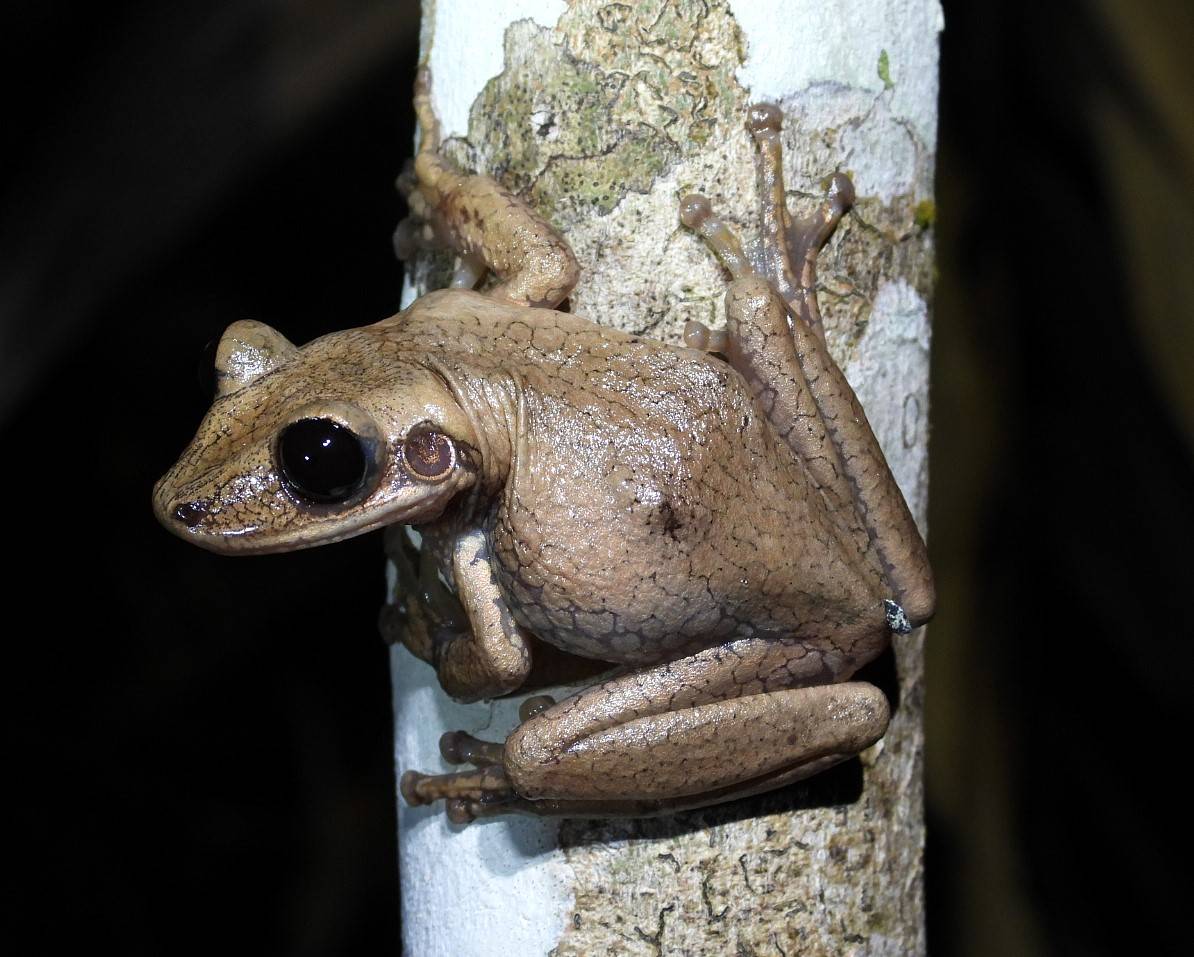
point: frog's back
(650, 506)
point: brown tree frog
(716, 519)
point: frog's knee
(915, 607)
(863, 713)
(750, 293)
(751, 301)
(529, 759)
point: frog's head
(313, 445)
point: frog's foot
(469, 794)
(486, 226)
(484, 792)
(787, 255)
(425, 229)
(790, 247)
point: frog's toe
(536, 704)
(467, 795)
(699, 336)
(695, 209)
(484, 785)
(412, 235)
(697, 214)
(459, 811)
(460, 747)
(764, 116)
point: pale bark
(603, 114)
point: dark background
(200, 748)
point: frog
(711, 523)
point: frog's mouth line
(198, 523)
(258, 541)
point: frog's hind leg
(790, 250)
(758, 341)
(483, 223)
(720, 724)
(775, 338)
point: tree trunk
(603, 115)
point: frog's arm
(495, 658)
(485, 224)
(471, 638)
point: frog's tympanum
(716, 520)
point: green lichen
(599, 182)
(615, 95)
(925, 214)
(885, 71)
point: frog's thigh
(601, 746)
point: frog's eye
(322, 461)
(429, 455)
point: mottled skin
(722, 525)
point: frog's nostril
(192, 513)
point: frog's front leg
(470, 637)
(723, 723)
(483, 223)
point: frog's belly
(633, 633)
(653, 617)
(638, 587)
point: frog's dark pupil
(321, 460)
